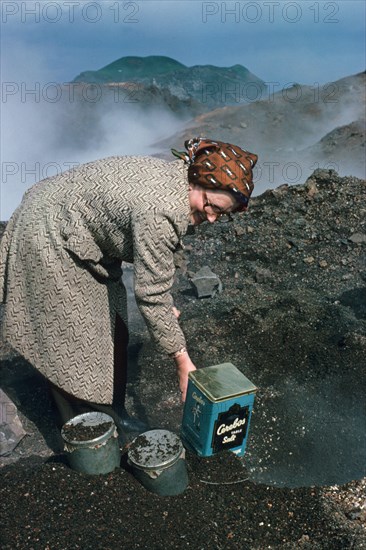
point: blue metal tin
(217, 410)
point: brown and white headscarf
(218, 165)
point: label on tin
(230, 428)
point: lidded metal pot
(98, 455)
(157, 458)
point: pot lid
(155, 450)
(222, 381)
(88, 420)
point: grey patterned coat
(60, 270)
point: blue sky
(302, 41)
(52, 41)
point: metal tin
(100, 455)
(157, 458)
(217, 410)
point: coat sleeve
(155, 239)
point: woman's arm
(184, 367)
(155, 240)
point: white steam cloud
(46, 129)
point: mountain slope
(287, 128)
(208, 85)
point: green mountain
(132, 68)
(207, 85)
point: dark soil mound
(51, 506)
(291, 317)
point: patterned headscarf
(218, 165)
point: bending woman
(61, 254)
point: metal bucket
(99, 455)
(158, 461)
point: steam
(43, 139)
(289, 132)
(314, 434)
(49, 127)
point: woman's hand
(184, 367)
(176, 312)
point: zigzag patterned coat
(60, 271)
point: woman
(61, 254)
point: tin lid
(87, 420)
(222, 381)
(155, 450)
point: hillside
(292, 126)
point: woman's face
(209, 204)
